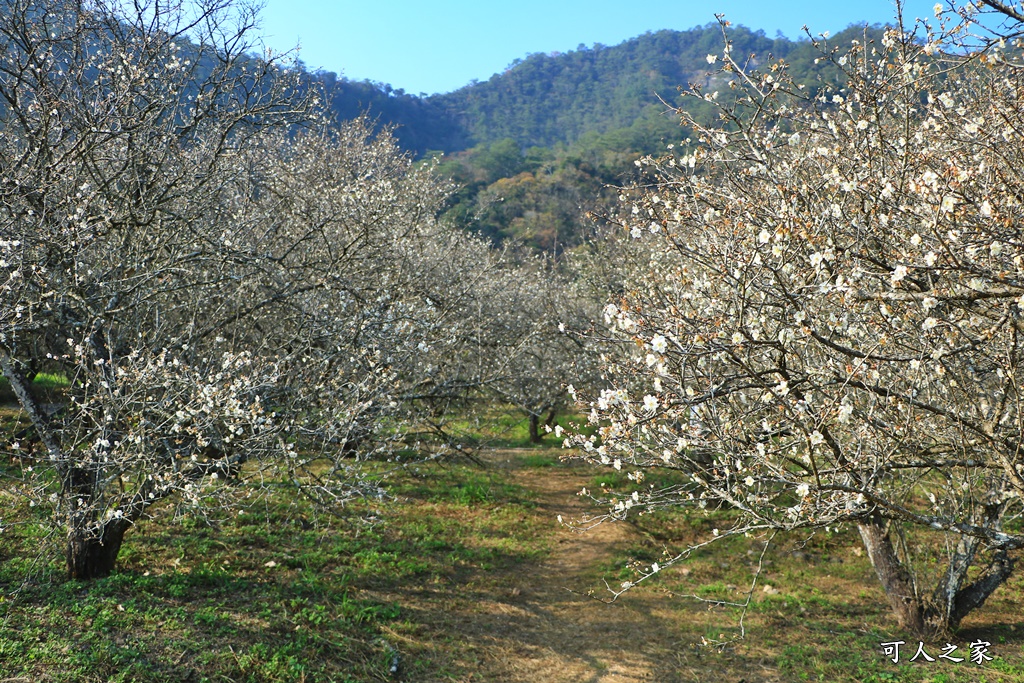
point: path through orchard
(536, 622)
(467, 576)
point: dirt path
(564, 634)
(536, 622)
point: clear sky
(439, 45)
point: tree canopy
(827, 327)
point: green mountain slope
(550, 99)
(558, 99)
(534, 149)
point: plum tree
(828, 327)
(233, 287)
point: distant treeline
(533, 146)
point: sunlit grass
(279, 592)
(275, 593)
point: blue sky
(439, 45)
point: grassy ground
(464, 576)
(818, 613)
(504, 426)
(46, 386)
(264, 596)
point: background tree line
(531, 148)
(556, 100)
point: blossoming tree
(232, 287)
(829, 322)
(118, 129)
(541, 315)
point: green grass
(219, 616)
(619, 480)
(824, 615)
(46, 386)
(265, 596)
(279, 594)
(50, 380)
(539, 460)
(42, 380)
(503, 426)
(459, 485)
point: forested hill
(534, 149)
(551, 99)
(421, 124)
(546, 99)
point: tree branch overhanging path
(236, 289)
(830, 315)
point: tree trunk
(937, 615)
(912, 612)
(91, 553)
(535, 436)
(973, 596)
(92, 547)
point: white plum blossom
(247, 293)
(843, 311)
